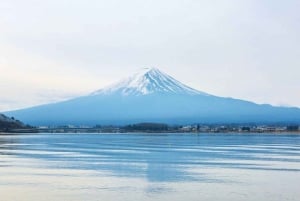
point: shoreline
(15, 132)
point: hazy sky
(56, 49)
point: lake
(142, 167)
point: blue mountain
(153, 96)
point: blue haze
(166, 108)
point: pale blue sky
(51, 50)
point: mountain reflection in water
(160, 160)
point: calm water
(92, 167)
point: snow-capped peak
(148, 81)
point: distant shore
(161, 128)
(93, 131)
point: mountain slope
(153, 96)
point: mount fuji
(153, 96)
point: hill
(7, 124)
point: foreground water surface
(92, 167)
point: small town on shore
(164, 128)
(11, 125)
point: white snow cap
(148, 81)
